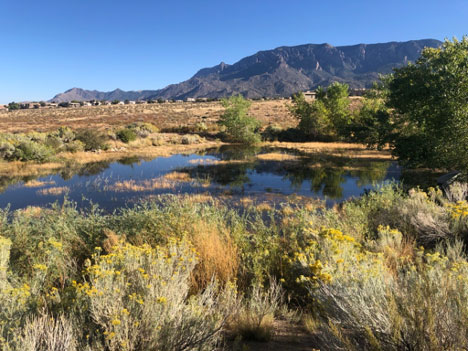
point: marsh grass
(54, 191)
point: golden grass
(177, 176)
(167, 181)
(211, 162)
(31, 211)
(217, 254)
(59, 190)
(264, 206)
(337, 149)
(38, 183)
(143, 152)
(168, 115)
(277, 156)
(27, 169)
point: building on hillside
(310, 95)
(357, 92)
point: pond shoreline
(24, 169)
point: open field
(167, 115)
(164, 116)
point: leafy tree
(430, 100)
(13, 106)
(326, 118)
(240, 127)
(313, 117)
(336, 101)
(115, 102)
(372, 124)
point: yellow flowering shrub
(139, 298)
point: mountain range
(279, 72)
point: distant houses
(310, 95)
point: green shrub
(92, 139)
(126, 135)
(31, 151)
(240, 127)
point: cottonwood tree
(430, 102)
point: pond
(227, 171)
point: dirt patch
(287, 337)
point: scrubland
(387, 271)
(166, 116)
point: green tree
(328, 117)
(336, 101)
(372, 123)
(115, 102)
(240, 127)
(430, 100)
(13, 106)
(313, 117)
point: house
(121, 103)
(86, 103)
(3, 107)
(131, 102)
(106, 103)
(357, 92)
(141, 102)
(190, 100)
(310, 95)
(74, 104)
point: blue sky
(49, 46)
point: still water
(227, 171)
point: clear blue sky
(49, 46)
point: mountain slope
(281, 72)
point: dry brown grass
(337, 149)
(177, 176)
(24, 169)
(38, 183)
(217, 253)
(277, 156)
(167, 181)
(164, 116)
(55, 191)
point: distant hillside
(280, 72)
(86, 95)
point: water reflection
(242, 171)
